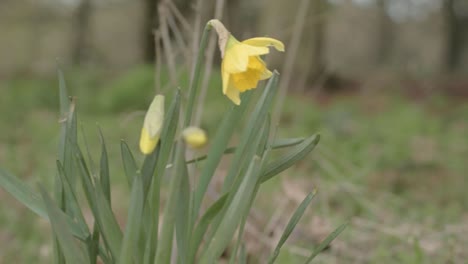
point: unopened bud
(195, 137)
(152, 125)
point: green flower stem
(164, 249)
(194, 83)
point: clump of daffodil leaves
(152, 230)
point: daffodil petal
(265, 42)
(266, 74)
(147, 143)
(224, 77)
(236, 58)
(233, 94)
(249, 79)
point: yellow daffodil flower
(242, 67)
(195, 137)
(152, 125)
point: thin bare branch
(208, 66)
(293, 47)
(167, 45)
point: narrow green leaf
(108, 225)
(260, 150)
(264, 138)
(64, 104)
(91, 164)
(249, 135)
(148, 168)
(291, 225)
(164, 249)
(285, 142)
(63, 94)
(93, 245)
(73, 204)
(72, 249)
(290, 158)
(240, 233)
(59, 257)
(241, 173)
(129, 251)
(22, 192)
(166, 144)
(277, 144)
(129, 163)
(203, 224)
(236, 210)
(326, 242)
(104, 169)
(25, 195)
(242, 255)
(182, 217)
(195, 77)
(101, 209)
(67, 143)
(215, 153)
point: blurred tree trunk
(317, 33)
(81, 28)
(384, 41)
(453, 40)
(150, 23)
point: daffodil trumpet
(242, 67)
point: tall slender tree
(456, 23)
(150, 23)
(82, 31)
(384, 36)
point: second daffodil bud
(195, 137)
(152, 125)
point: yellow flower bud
(242, 67)
(152, 125)
(195, 137)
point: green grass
(394, 167)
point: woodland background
(385, 83)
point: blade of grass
(23, 193)
(326, 242)
(290, 158)
(129, 251)
(234, 213)
(73, 204)
(164, 249)
(278, 144)
(72, 250)
(264, 138)
(215, 153)
(195, 77)
(168, 132)
(203, 224)
(260, 151)
(100, 208)
(59, 257)
(241, 173)
(104, 169)
(148, 168)
(249, 134)
(291, 225)
(183, 217)
(130, 166)
(242, 255)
